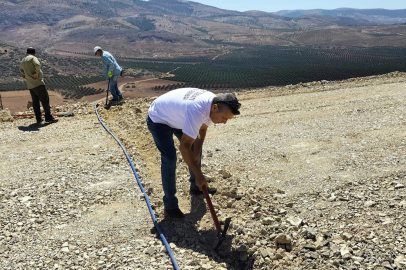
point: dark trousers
(163, 137)
(40, 94)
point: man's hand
(109, 74)
(201, 181)
(35, 76)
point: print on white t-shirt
(193, 93)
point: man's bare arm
(186, 150)
(198, 144)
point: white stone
(345, 251)
(370, 203)
(399, 186)
(25, 199)
(294, 221)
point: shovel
(107, 106)
(221, 233)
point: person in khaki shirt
(30, 69)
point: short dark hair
(31, 50)
(227, 102)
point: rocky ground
(312, 175)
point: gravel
(313, 176)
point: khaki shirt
(29, 66)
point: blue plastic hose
(175, 264)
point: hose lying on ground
(175, 265)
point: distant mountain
(174, 28)
(375, 16)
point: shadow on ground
(33, 127)
(185, 234)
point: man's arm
(198, 144)
(187, 154)
(108, 61)
(22, 71)
(37, 66)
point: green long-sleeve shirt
(29, 66)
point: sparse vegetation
(247, 67)
(66, 75)
(69, 87)
(142, 23)
(262, 66)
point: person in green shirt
(30, 69)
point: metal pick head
(226, 225)
(223, 234)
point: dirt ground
(313, 176)
(16, 101)
(142, 88)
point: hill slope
(374, 16)
(320, 166)
(160, 28)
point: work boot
(196, 191)
(113, 102)
(51, 120)
(174, 213)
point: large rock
(283, 239)
(5, 116)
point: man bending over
(186, 113)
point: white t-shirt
(185, 108)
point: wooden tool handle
(213, 213)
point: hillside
(373, 16)
(312, 175)
(174, 28)
(238, 68)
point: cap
(30, 50)
(96, 49)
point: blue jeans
(163, 137)
(115, 92)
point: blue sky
(272, 6)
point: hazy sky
(272, 6)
